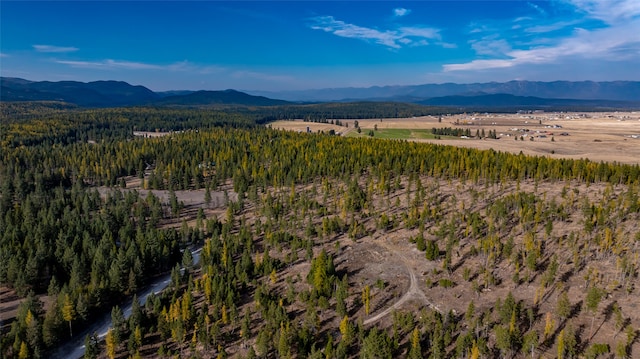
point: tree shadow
(575, 309)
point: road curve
(414, 291)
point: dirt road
(414, 291)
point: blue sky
(294, 45)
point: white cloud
(424, 32)
(615, 40)
(537, 8)
(52, 48)
(491, 46)
(609, 11)
(111, 64)
(399, 12)
(408, 35)
(612, 44)
(3, 55)
(552, 27)
(479, 65)
(182, 66)
(342, 29)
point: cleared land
(608, 137)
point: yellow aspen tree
(207, 286)
(561, 345)
(366, 299)
(344, 327)
(137, 336)
(512, 322)
(549, 325)
(225, 253)
(186, 306)
(111, 344)
(24, 351)
(224, 317)
(416, 350)
(68, 311)
(475, 351)
(28, 319)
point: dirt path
(414, 291)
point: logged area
(306, 244)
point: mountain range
(118, 93)
(580, 90)
(526, 94)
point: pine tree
(594, 295)
(563, 306)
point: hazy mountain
(524, 102)
(583, 90)
(227, 97)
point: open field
(608, 137)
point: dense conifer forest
(506, 255)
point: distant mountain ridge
(526, 102)
(528, 94)
(86, 94)
(118, 93)
(227, 97)
(581, 90)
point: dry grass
(596, 136)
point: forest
(505, 255)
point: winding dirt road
(414, 291)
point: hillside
(118, 93)
(226, 97)
(90, 94)
(285, 244)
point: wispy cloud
(400, 12)
(491, 46)
(537, 8)
(609, 11)
(111, 64)
(614, 44)
(342, 29)
(3, 55)
(552, 27)
(52, 48)
(408, 35)
(614, 38)
(417, 31)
